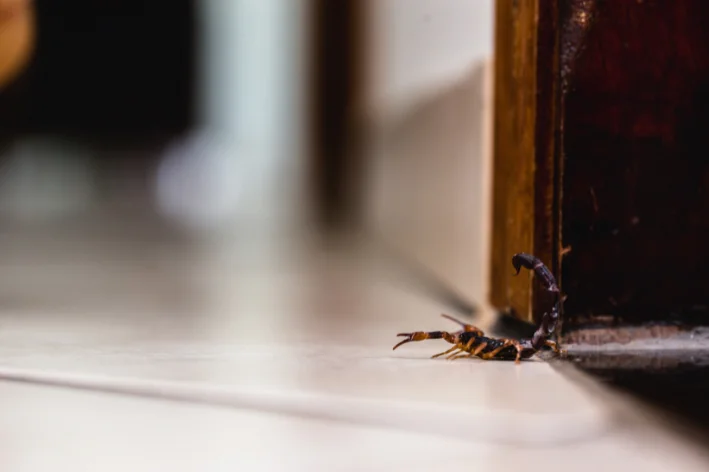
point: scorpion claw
(408, 339)
(422, 335)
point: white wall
(419, 46)
(430, 94)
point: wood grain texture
(513, 141)
(525, 195)
(635, 201)
(548, 169)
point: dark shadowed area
(635, 169)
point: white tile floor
(271, 357)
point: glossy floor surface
(125, 346)
(269, 353)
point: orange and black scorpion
(471, 341)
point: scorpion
(471, 341)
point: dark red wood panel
(636, 166)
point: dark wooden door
(610, 187)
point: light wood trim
(515, 89)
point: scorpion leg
(506, 343)
(461, 355)
(454, 354)
(465, 349)
(479, 349)
(454, 348)
(465, 326)
(474, 353)
(555, 347)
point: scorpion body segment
(498, 348)
(472, 342)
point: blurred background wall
(430, 91)
(417, 48)
(200, 117)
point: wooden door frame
(527, 167)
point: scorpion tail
(546, 327)
(551, 318)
